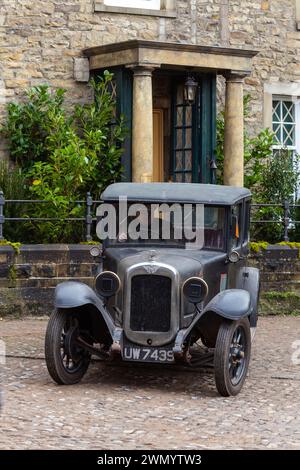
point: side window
(236, 225)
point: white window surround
(160, 8)
(282, 90)
(288, 91)
(287, 117)
(151, 4)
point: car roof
(176, 192)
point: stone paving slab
(126, 407)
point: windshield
(174, 226)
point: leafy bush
(280, 176)
(28, 124)
(14, 186)
(64, 156)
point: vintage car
(163, 299)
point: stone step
(45, 254)
(49, 270)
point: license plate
(147, 354)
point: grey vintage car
(162, 299)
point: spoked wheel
(232, 356)
(66, 361)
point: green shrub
(279, 303)
(28, 124)
(280, 176)
(258, 247)
(63, 155)
(13, 183)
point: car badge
(151, 269)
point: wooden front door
(158, 145)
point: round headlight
(95, 251)
(195, 289)
(107, 284)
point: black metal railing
(285, 219)
(88, 219)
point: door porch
(171, 139)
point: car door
(236, 242)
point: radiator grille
(150, 308)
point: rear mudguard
(232, 304)
(72, 294)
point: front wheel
(232, 356)
(66, 361)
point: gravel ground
(126, 407)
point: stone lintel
(170, 55)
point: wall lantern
(190, 90)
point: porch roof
(171, 55)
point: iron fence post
(89, 217)
(286, 220)
(2, 218)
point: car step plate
(160, 355)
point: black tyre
(66, 361)
(232, 356)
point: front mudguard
(232, 304)
(71, 294)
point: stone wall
(279, 268)
(28, 279)
(40, 39)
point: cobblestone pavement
(121, 407)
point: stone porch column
(142, 125)
(234, 131)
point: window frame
(122, 4)
(295, 149)
(167, 8)
(296, 102)
(237, 211)
(281, 122)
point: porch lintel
(170, 54)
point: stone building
(161, 51)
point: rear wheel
(66, 361)
(232, 356)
